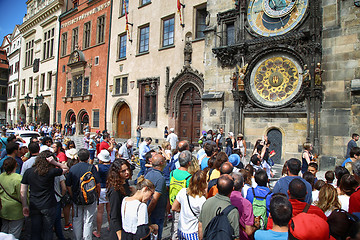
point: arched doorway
(22, 114)
(70, 117)
(83, 119)
(275, 137)
(190, 115)
(44, 114)
(124, 122)
(14, 116)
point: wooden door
(275, 137)
(124, 122)
(190, 116)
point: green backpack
(176, 186)
(259, 210)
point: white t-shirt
(27, 164)
(344, 200)
(188, 223)
(315, 196)
(130, 220)
(244, 190)
(172, 139)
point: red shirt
(298, 207)
(104, 145)
(354, 203)
(62, 157)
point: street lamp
(39, 101)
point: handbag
(190, 206)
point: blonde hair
(165, 145)
(328, 198)
(194, 166)
(143, 182)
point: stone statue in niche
(75, 57)
(187, 53)
(242, 75)
(318, 73)
(234, 81)
(306, 76)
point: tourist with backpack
(83, 184)
(218, 218)
(189, 202)
(260, 199)
(179, 179)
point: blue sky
(12, 13)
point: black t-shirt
(75, 173)
(42, 194)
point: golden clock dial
(275, 17)
(276, 80)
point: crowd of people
(212, 193)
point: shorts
(103, 198)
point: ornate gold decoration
(276, 79)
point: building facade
(272, 69)
(13, 84)
(83, 58)
(38, 64)
(156, 68)
(4, 74)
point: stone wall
(341, 62)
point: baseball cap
(307, 226)
(130, 142)
(234, 159)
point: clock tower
(271, 50)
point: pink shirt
(246, 216)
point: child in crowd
(330, 176)
(313, 168)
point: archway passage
(84, 121)
(44, 114)
(190, 116)
(22, 114)
(70, 117)
(124, 122)
(275, 137)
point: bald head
(226, 168)
(158, 161)
(225, 184)
(183, 145)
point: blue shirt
(260, 192)
(156, 177)
(204, 162)
(270, 235)
(346, 161)
(143, 149)
(282, 186)
(4, 142)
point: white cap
(104, 156)
(130, 142)
(71, 153)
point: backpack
(176, 186)
(259, 210)
(219, 227)
(87, 187)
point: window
(79, 86)
(96, 60)
(30, 84)
(78, 80)
(101, 29)
(122, 46)
(63, 44)
(144, 39)
(148, 101)
(200, 21)
(59, 116)
(11, 70)
(3, 91)
(143, 2)
(122, 10)
(68, 88)
(86, 86)
(75, 35)
(29, 53)
(48, 43)
(9, 91)
(42, 82)
(168, 32)
(23, 87)
(49, 76)
(121, 85)
(96, 116)
(230, 34)
(15, 87)
(87, 28)
(16, 66)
